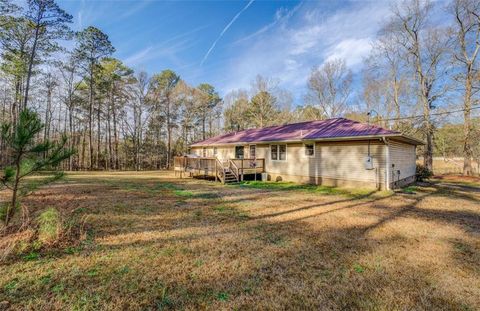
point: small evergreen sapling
(28, 156)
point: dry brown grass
(156, 242)
(443, 166)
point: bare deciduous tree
(467, 45)
(329, 88)
(425, 48)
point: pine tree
(28, 157)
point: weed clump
(49, 226)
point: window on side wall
(215, 151)
(204, 152)
(310, 150)
(278, 152)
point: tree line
(116, 118)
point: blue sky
(282, 40)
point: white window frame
(278, 152)
(215, 151)
(204, 152)
(250, 151)
(305, 150)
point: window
(215, 151)
(282, 152)
(253, 151)
(310, 150)
(274, 152)
(204, 152)
(278, 152)
(239, 152)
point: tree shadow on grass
(223, 261)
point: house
(333, 152)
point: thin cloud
(170, 47)
(138, 57)
(225, 30)
(137, 8)
(280, 16)
(290, 49)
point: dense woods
(421, 78)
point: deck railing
(214, 167)
(249, 166)
(219, 171)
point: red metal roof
(311, 130)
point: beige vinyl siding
(345, 161)
(296, 163)
(332, 160)
(403, 156)
(223, 152)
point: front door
(239, 152)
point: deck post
(241, 176)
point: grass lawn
(154, 242)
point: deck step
(230, 177)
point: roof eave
(400, 137)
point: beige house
(333, 152)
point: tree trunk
(32, 58)
(46, 133)
(90, 115)
(467, 126)
(14, 199)
(169, 134)
(84, 147)
(424, 94)
(204, 117)
(99, 137)
(115, 136)
(70, 128)
(109, 139)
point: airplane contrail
(225, 30)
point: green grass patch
(358, 268)
(11, 286)
(183, 193)
(291, 186)
(164, 302)
(50, 225)
(228, 210)
(410, 189)
(222, 296)
(31, 256)
(92, 272)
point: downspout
(387, 163)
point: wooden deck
(231, 170)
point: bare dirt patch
(157, 242)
